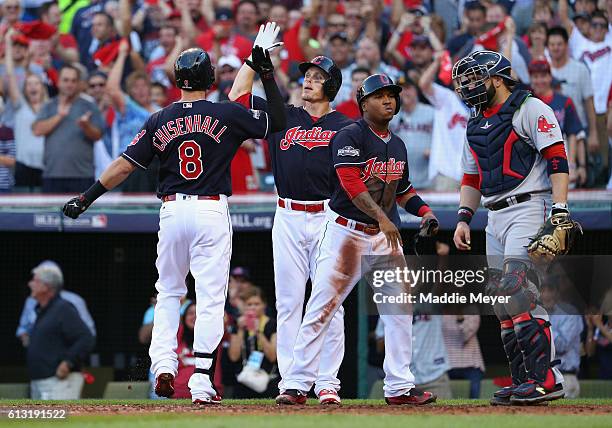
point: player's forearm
(560, 183)
(116, 173)
(469, 197)
(366, 204)
(243, 83)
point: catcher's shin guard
(513, 352)
(534, 339)
(515, 361)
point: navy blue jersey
(384, 170)
(195, 142)
(565, 112)
(300, 154)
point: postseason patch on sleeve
(348, 151)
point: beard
(490, 95)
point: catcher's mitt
(555, 237)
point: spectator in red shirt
(246, 18)
(155, 67)
(350, 107)
(102, 32)
(64, 45)
(184, 351)
(220, 40)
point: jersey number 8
(190, 160)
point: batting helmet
(193, 70)
(375, 83)
(332, 84)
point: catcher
(513, 157)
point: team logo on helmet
(543, 125)
(384, 171)
(317, 60)
(384, 79)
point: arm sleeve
(539, 124)
(140, 151)
(249, 123)
(276, 106)
(77, 337)
(350, 180)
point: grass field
(353, 414)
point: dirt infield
(259, 409)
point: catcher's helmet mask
(193, 70)
(375, 83)
(471, 73)
(333, 75)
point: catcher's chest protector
(503, 158)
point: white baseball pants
(295, 239)
(338, 269)
(194, 235)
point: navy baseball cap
(241, 271)
(223, 14)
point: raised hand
(75, 206)
(266, 37)
(261, 61)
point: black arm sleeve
(276, 105)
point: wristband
(414, 205)
(94, 192)
(557, 165)
(559, 208)
(465, 214)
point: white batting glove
(267, 35)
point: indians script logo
(309, 139)
(457, 119)
(138, 137)
(543, 125)
(386, 171)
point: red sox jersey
(195, 142)
(384, 170)
(535, 123)
(300, 154)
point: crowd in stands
(78, 78)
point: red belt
(365, 228)
(295, 206)
(200, 198)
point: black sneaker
(502, 396)
(534, 393)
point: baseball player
(513, 156)
(195, 141)
(371, 173)
(301, 166)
